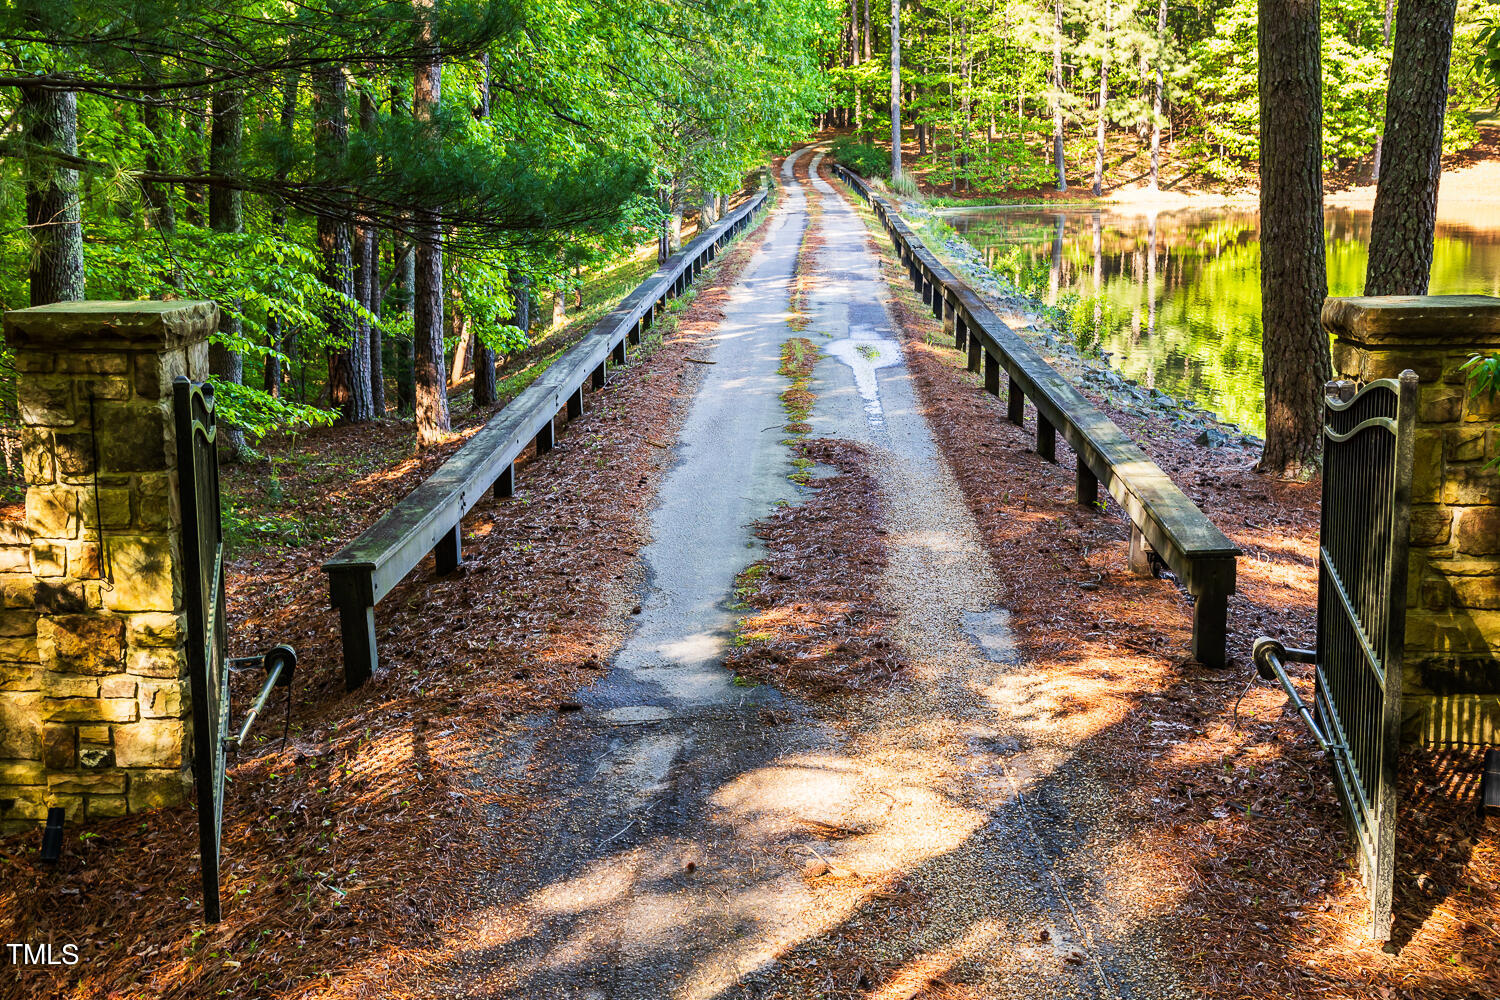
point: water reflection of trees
(1175, 296)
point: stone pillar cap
(1414, 320)
(139, 325)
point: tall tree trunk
(161, 213)
(349, 363)
(1293, 275)
(53, 212)
(1057, 102)
(1103, 103)
(895, 89)
(367, 284)
(1390, 6)
(1405, 218)
(520, 297)
(280, 342)
(195, 194)
(226, 214)
(404, 261)
(1161, 43)
(484, 361)
(431, 383)
(869, 36)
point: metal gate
(208, 660)
(1362, 562)
(208, 644)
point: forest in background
(991, 93)
(375, 191)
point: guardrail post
(960, 332)
(975, 351)
(597, 379)
(1046, 438)
(617, 353)
(449, 551)
(991, 374)
(505, 486)
(575, 404)
(938, 303)
(357, 639)
(926, 289)
(544, 438)
(1088, 485)
(1140, 553)
(1210, 629)
(1015, 403)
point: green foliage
(861, 157)
(602, 119)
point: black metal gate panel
(1367, 467)
(207, 645)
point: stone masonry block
(154, 373)
(1479, 531)
(113, 507)
(46, 401)
(133, 437)
(105, 806)
(18, 649)
(52, 512)
(1439, 404)
(82, 644)
(83, 560)
(91, 710)
(1477, 592)
(87, 783)
(119, 686)
(156, 504)
(59, 596)
(18, 592)
(157, 663)
(20, 677)
(163, 699)
(22, 772)
(150, 743)
(20, 725)
(15, 559)
(1466, 443)
(1427, 466)
(18, 624)
(94, 363)
(38, 460)
(145, 573)
(60, 747)
(70, 685)
(1471, 484)
(154, 628)
(155, 789)
(48, 559)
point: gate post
(1451, 673)
(94, 712)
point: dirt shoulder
(1226, 810)
(350, 847)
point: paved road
(673, 824)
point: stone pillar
(1452, 655)
(94, 704)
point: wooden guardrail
(1164, 523)
(428, 519)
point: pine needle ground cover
(351, 847)
(1225, 805)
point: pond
(1174, 296)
